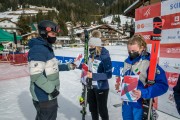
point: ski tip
(157, 26)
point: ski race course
(16, 101)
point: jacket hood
(37, 41)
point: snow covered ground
(15, 98)
(16, 104)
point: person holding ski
(44, 71)
(177, 95)
(100, 70)
(137, 63)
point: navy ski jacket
(44, 70)
(101, 69)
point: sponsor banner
(144, 25)
(166, 102)
(63, 59)
(169, 54)
(170, 36)
(171, 21)
(170, 7)
(170, 64)
(117, 65)
(170, 50)
(149, 11)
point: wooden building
(109, 36)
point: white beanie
(94, 41)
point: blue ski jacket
(101, 69)
(44, 70)
(140, 66)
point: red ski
(155, 40)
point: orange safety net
(10, 71)
(15, 59)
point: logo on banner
(173, 50)
(140, 26)
(172, 78)
(166, 64)
(175, 6)
(143, 25)
(148, 12)
(147, 37)
(176, 21)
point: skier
(44, 71)
(177, 95)
(137, 63)
(100, 70)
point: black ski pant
(97, 100)
(46, 110)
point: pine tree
(23, 24)
(39, 16)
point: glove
(55, 93)
(89, 83)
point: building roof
(8, 19)
(34, 32)
(2, 19)
(103, 26)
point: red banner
(171, 21)
(170, 50)
(149, 11)
(172, 78)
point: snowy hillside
(123, 18)
(33, 10)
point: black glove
(89, 83)
(55, 93)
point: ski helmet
(46, 26)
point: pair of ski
(155, 41)
(83, 98)
(149, 112)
